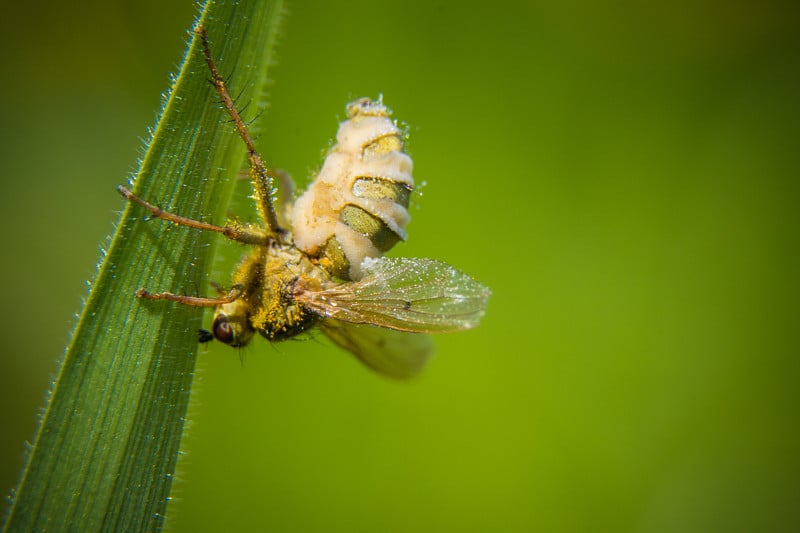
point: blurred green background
(624, 177)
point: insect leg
(195, 301)
(259, 175)
(237, 233)
(217, 287)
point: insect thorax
(268, 276)
(357, 205)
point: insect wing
(395, 354)
(414, 295)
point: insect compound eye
(223, 331)
(204, 336)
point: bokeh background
(623, 175)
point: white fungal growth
(368, 148)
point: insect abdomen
(357, 205)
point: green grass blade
(107, 445)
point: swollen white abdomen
(357, 205)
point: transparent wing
(415, 295)
(395, 354)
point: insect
(329, 271)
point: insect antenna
(204, 336)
